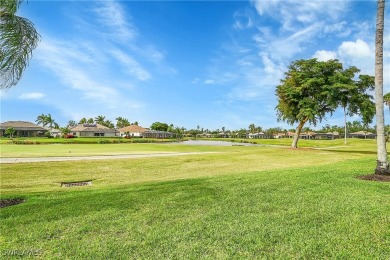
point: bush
(23, 142)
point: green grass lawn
(243, 202)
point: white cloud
(358, 49)
(32, 95)
(325, 55)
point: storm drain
(76, 183)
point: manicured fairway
(242, 202)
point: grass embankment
(248, 202)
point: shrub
(23, 142)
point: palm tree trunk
(298, 133)
(382, 161)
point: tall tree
(352, 95)
(121, 122)
(71, 124)
(47, 120)
(100, 120)
(83, 120)
(382, 160)
(108, 124)
(51, 122)
(18, 38)
(252, 128)
(41, 119)
(306, 94)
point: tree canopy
(158, 126)
(313, 89)
(352, 96)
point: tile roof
(21, 125)
(91, 128)
(133, 129)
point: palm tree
(252, 128)
(121, 122)
(108, 124)
(72, 123)
(83, 120)
(41, 120)
(100, 120)
(18, 38)
(382, 161)
(50, 121)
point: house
(91, 130)
(329, 135)
(256, 135)
(157, 134)
(223, 135)
(362, 134)
(55, 132)
(22, 128)
(290, 134)
(132, 130)
(279, 135)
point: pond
(215, 143)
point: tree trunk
(382, 162)
(345, 126)
(298, 133)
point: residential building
(93, 130)
(132, 131)
(22, 128)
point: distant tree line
(354, 126)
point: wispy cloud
(132, 67)
(32, 95)
(81, 75)
(294, 13)
(110, 15)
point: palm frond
(18, 38)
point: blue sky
(209, 63)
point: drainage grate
(76, 183)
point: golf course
(265, 201)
